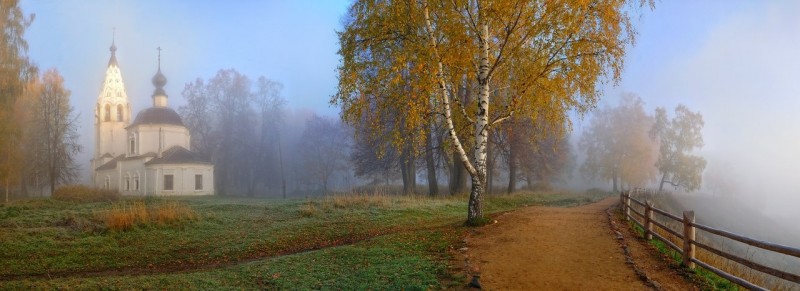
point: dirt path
(548, 248)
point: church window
(198, 182)
(168, 183)
(133, 146)
(127, 183)
(119, 112)
(108, 113)
(136, 183)
(108, 182)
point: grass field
(358, 242)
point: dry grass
(721, 263)
(309, 209)
(171, 211)
(124, 216)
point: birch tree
(547, 56)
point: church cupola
(159, 80)
(113, 49)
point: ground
(550, 248)
(347, 242)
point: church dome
(159, 80)
(158, 115)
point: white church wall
(151, 137)
(183, 179)
(131, 175)
(111, 138)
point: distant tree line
(631, 148)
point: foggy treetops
(631, 148)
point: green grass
(214, 249)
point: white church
(151, 155)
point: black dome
(159, 80)
(158, 115)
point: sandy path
(548, 248)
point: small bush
(125, 216)
(81, 193)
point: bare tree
(236, 123)
(324, 146)
(55, 128)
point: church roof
(112, 164)
(157, 115)
(178, 155)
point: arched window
(132, 145)
(108, 113)
(119, 112)
(136, 182)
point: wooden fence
(645, 210)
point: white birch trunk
(481, 126)
(478, 171)
(446, 96)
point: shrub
(81, 193)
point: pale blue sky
(735, 61)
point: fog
(735, 62)
(290, 42)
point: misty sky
(737, 62)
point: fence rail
(689, 241)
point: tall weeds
(127, 215)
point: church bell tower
(112, 114)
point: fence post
(627, 206)
(648, 219)
(688, 238)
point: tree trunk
(433, 184)
(404, 173)
(489, 168)
(280, 159)
(614, 181)
(661, 185)
(458, 176)
(475, 212)
(531, 181)
(512, 163)
(475, 208)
